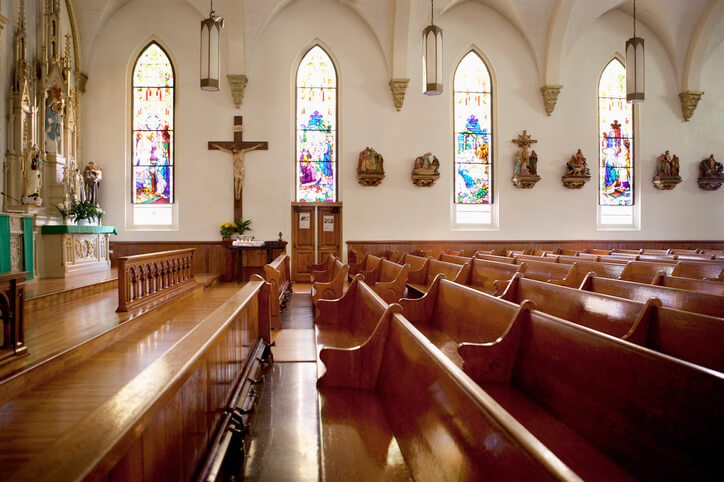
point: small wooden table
(257, 257)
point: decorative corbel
(399, 87)
(237, 82)
(550, 96)
(689, 100)
(82, 79)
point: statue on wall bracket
(370, 169)
(577, 172)
(525, 164)
(711, 174)
(667, 172)
(426, 170)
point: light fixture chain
(634, 20)
(432, 12)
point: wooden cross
(237, 149)
(524, 141)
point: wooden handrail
(146, 278)
(91, 449)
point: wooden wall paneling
(130, 467)
(196, 429)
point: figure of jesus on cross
(237, 149)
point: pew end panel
(393, 290)
(356, 367)
(420, 310)
(332, 312)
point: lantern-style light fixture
(211, 50)
(635, 71)
(432, 56)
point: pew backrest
(416, 262)
(614, 316)
(543, 271)
(582, 268)
(644, 271)
(499, 259)
(484, 274)
(699, 285)
(390, 280)
(454, 258)
(458, 273)
(692, 301)
(696, 270)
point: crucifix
(524, 141)
(237, 149)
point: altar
(69, 250)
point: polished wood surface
(12, 310)
(421, 280)
(644, 271)
(390, 280)
(278, 274)
(95, 412)
(704, 303)
(329, 285)
(454, 258)
(699, 270)
(314, 243)
(484, 274)
(542, 270)
(581, 268)
(613, 394)
(210, 256)
(608, 314)
(437, 417)
(148, 278)
(701, 286)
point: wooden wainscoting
(434, 248)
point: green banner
(5, 244)
(28, 245)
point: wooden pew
(599, 252)
(615, 259)
(607, 408)
(417, 263)
(706, 304)
(367, 264)
(420, 281)
(699, 285)
(154, 278)
(388, 280)
(332, 289)
(484, 274)
(529, 257)
(278, 275)
(644, 271)
(396, 408)
(492, 257)
(325, 265)
(696, 270)
(580, 257)
(483, 251)
(454, 258)
(542, 271)
(614, 316)
(582, 268)
(450, 313)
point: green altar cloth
(76, 229)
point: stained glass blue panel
(473, 131)
(615, 124)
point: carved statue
(33, 182)
(92, 176)
(426, 170)
(525, 164)
(370, 170)
(577, 172)
(239, 171)
(711, 174)
(54, 120)
(667, 172)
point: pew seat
(609, 392)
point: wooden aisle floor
(41, 415)
(295, 341)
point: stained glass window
(316, 124)
(153, 128)
(615, 127)
(473, 147)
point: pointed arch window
(152, 138)
(316, 128)
(615, 148)
(473, 185)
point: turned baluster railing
(149, 277)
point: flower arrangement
(237, 227)
(85, 210)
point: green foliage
(85, 210)
(239, 226)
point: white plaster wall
(397, 209)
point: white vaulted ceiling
(688, 30)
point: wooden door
(316, 233)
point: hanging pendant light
(635, 72)
(432, 56)
(211, 50)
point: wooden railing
(154, 277)
(162, 423)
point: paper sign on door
(329, 224)
(304, 220)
